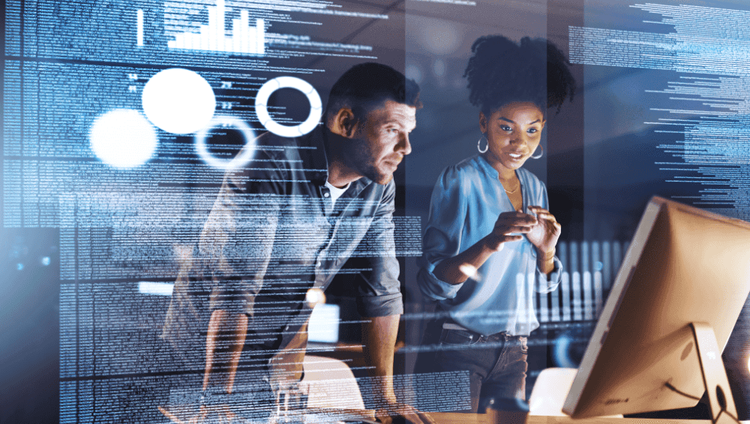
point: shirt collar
(485, 164)
(495, 176)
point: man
(285, 225)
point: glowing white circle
(315, 296)
(261, 103)
(123, 138)
(178, 101)
(246, 154)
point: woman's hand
(510, 226)
(545, 232)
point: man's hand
(218, 414)
(379, 337)
(389, 410)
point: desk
(458, 418)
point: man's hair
(501, 71)
(367, 85)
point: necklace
(512, 191)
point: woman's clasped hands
(541, 230)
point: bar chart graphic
(244, 39)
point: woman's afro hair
(501, 71)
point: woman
(489, 227)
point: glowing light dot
(438, 67)
(468, 270)
(315, 296)
(19, 267)
(46, 260)
(123, 138)
(413, 72)
(179, 101)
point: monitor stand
(721, 402)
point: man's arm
(380, 299)
(224, 342)
(237, 241)
(379, 338)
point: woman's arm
(510, 226)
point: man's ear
(343, 123)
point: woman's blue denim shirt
(466, 201)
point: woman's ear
(343, 123)
(482, 123)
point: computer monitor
(674, 303)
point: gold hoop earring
(486, 146)
(541, 153)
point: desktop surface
(460, 418)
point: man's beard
(359, 158)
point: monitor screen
(684, 266)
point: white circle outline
(268, 88)
(246, 154)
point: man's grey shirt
(272, 234)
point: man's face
(381, 140)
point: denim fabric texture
(496, 363)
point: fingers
(545, 215)
(504, 238)
(504, 228)
(169, 415)
(510, 226)
(384, 417)
(426, 418)
(542, 213)
(224, 416)
(410, 414)
(414, 417)
(515, 222)
(517, 218)
(419, 418)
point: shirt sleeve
(442, 236)
(379, 291)
(224, 272)
(548, 283)
(239, 234)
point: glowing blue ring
(561, 352)
(261, 103)
(246, 154)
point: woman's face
(513, 132)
